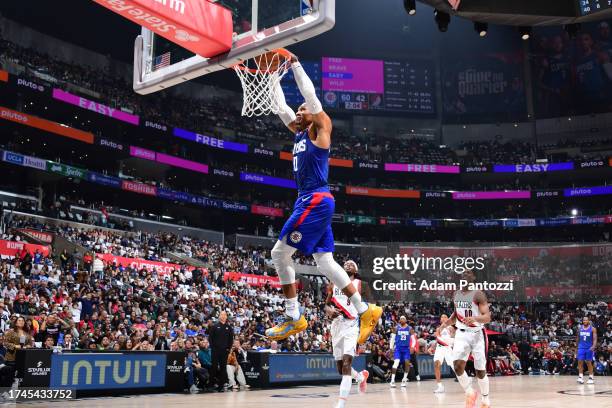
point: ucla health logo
(14, 158)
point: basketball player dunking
(587, 342)
(344, 334)
(309, 227)
(443, 352)
(470, 315)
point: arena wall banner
(162, 268)
(269, 180)
(477, 82)
(104, 180)
(269, 211)
(65, 170)
(28, 84)
(46, 125)
(421, 168)
(532, 168)
(139, 188)
(10, 249)
(182, 163)
(587, 191)
(103, 373)
(142, 153)
(210, 141)
(252, 279)
(14, 158)
(491, 195)
(95, 107)
(41, 236)
(381, 192)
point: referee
(221, 338)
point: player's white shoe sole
(439, 389)
(403, 384)
(590, 381)
(392, 385)
(580, 380)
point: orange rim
(281, 52)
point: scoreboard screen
(363, 85)
(588, 7)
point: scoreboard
(364, 85)
(588, 7)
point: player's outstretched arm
(286, 114)
(320, 119)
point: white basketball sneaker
(392, 384)
(590, 381)
(439, 389)
(580, 380)
(404, 383)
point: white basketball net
(259, 80)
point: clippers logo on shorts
(295, 237)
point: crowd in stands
(64, 303)
(211, 116)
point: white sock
(359, 304)
(465, 381)
(483, 383)
(356, 375)
(580, 375)
(591, 376)
(292, 308)
(392, 378)
(405, 377)
(345, 389)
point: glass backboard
(259, 26)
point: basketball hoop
(259, 77)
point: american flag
(161, 61)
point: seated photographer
(234, 371)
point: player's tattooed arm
(594, 346)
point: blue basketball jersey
(402, 337)
(558, 73)
(310, 164)
(589, 73)
(585, 337)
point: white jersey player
(345, 333)
(470, 315)
(443, 352)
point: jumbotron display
(369, 85)
(593, 6)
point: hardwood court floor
(506, 392)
